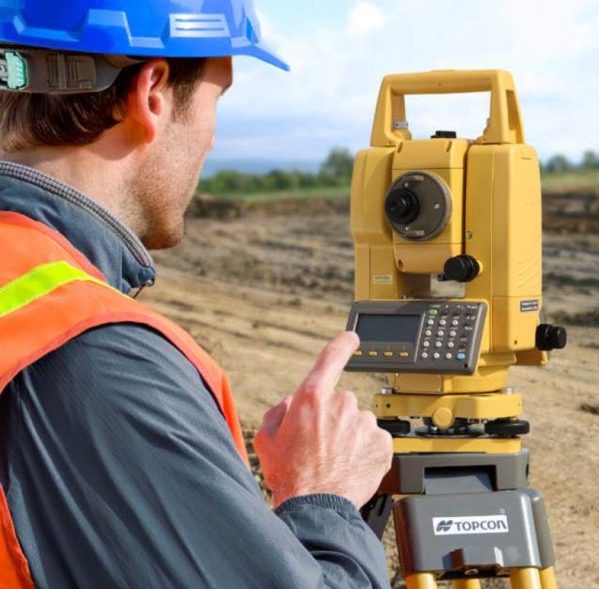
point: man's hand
(318, 441)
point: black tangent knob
(402, 205)
(507, 428)
(396, 427)
(551, 337)
(462, 268)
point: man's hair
(36, 120)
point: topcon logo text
(474, 524)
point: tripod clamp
(470, 516)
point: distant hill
(249, 166)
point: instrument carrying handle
(505, 121)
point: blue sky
(304, 15)
(339, 50)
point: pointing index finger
(325, 375)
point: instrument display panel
(436, 336)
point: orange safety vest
(49, 294)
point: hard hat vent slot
(199, 26)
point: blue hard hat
(139, 28)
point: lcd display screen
(388, 328)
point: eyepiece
(402, 205)
(418, 205)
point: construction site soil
(263, 286)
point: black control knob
(444, 135)
(402, 206)
(551, 337)
(461, 268)
(396, 427)
(507, 428)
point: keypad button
(436, 355)
(438, 344)
(448, 356)
(431, 322)
(442, 322)
(455, 322)
(441, 333)
(450, 345)
(461, 356)
(426, 344)
(452, 333)
(428, 333)
(424, 355)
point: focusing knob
(462, 268)
(396, 427)
(402, 205)
(551, 337)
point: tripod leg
(548, 578)
(421, 581)
(525, 579)
(466, 584)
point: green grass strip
(39, 282)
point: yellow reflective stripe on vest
(39, 282)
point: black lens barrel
(402, 205)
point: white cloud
(550, 46)
(365, 17)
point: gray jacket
(119, 468)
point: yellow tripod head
(448, 244)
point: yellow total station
(447, 232)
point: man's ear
(148, 101)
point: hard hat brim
(264, 53)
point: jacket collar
(107, 244)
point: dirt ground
(263, 287)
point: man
(121, 459)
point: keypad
(449, 332)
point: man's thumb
(274, 417)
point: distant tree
(305, 180)
(230, 182)
(279, 180)
(558, 163)
(336, 170)
(338, 165)
(590, 160)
